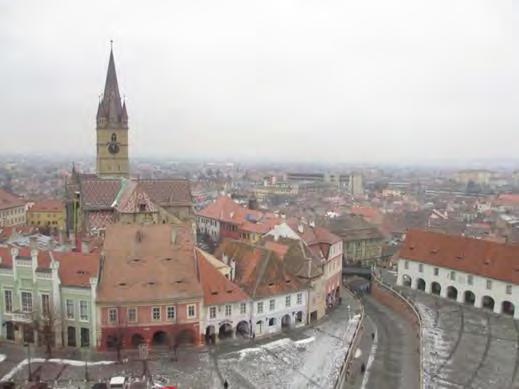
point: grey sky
(378, 80)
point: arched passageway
(210, 334)
(452, 293)
(299, 317)
(185, 337)
(436, 288)
(487, 302)
(137, 339)
(508, 308)
(242, 329)
(406, 280)
(469, 297)
(420, 284)
(225, 331)
(160, 338)
(285, 322)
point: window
(406, 265)
(8, 300)
(509, 289)
(470, 279)
(26, 301)
(70, 309)
(171, 313)
(83, 310)
(45, 305)
(85, 337)
(300, 298)
(212, 312)
(288, 301)
(71, 336)
(112, 315)
(132, 315)
(228, 310)
(272, 322)
(272, 304)
(452, 276)
(489, 284)
(259, 307)
(155, 313)
(191, 311)
(243, 308)
(436, 271)
(420, 267)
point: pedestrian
(225, 384)
(362, 368)
(372, 336)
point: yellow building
(47, 213)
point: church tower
(112, 129)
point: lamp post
(29, 360)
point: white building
(470, 271)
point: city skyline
(298, 82)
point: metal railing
(344, 372)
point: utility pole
(29, 360)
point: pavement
(466, 347)
(394, 362)
(308, 357)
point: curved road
(395, 362)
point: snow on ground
(2, 358)
(314, 361)
(70, 362)
(371, 357)
(436, 347)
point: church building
(94, 201)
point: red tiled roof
(76, 269)
(24, 252)
(168, 192)
(474, 256)
(260, 272)
(508, 199)
(227, 210)
(217, 288)
(9, 200)
(146, 263)
(99, 193)
(50, 205)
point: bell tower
(112, 129)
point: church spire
(110, 110)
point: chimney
(33, 244)
(173, 236)
(233, 269)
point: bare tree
(117, 337)
(47, 325)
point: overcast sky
(375, 81)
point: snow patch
(70, 362)
(2, 357)
(305, 341)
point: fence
(344, 372)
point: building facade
(45, 288)
(470, 271)
(12, 209)
(47, 214)
(149, 291)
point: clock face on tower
(113, 145)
